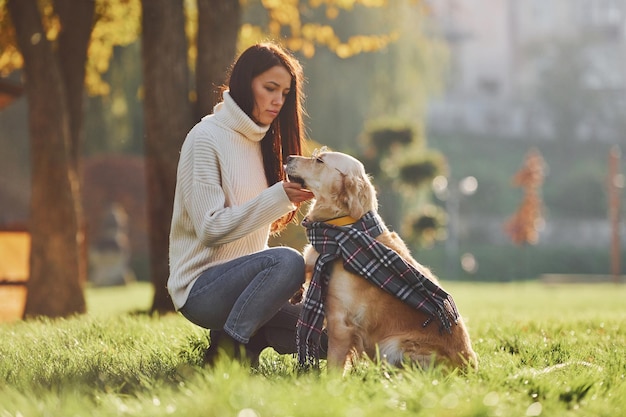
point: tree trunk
(167, 118)
(77, 21)
(217, 46)
(54, 286)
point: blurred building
(533, 68)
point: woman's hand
(296, 193)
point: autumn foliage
(524, 225)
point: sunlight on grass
(544, 351)
(106, 301)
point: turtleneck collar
(230, 115)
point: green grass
(549, 351)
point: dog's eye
(319, 160)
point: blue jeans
(248, 294)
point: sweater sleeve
(216, 224)
(216, 220)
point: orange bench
(14, 273)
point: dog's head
(339, 182)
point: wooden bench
(14, 273)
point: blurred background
(492, 130)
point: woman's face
(270, 88)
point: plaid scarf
(363, 255)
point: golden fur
(361, 318)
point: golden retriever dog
(362, 319)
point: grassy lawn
(544, 351)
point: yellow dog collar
(342, 221)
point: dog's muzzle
(291, 176)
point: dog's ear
(358, 195)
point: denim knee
(292, 263)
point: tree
(164, 54)
(216, 46)
(524, 225)
(57, 261)
(166, 84)
(54, 43)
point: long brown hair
(285, 135)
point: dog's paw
(297, 297)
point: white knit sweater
(223, 207)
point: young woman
(231, 194)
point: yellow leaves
(94, 83)
(324, 35)
(306, 47)
(10, 57)
(274, 28)
(117, 23)
(332, 12)
(283, 13)
(274, 4)
(191, 32)
(307, 37)
(333, 7)
(312, 34)
(248, 35)
(50, 20)
(10, 60)
(304, 37)
(346, 4)
(365, 43)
